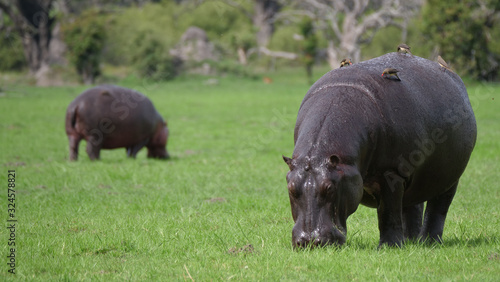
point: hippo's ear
(334, 160)
(288, 161)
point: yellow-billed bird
(443, 63)
(345, 62)
(390, 72)
(403, 48)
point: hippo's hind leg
(435, 215)
(412, 221)
(74, 142)
(93, 150)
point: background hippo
(384, 143)
(111, 117)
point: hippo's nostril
(322, 242)
(318, 242)
(301, 241)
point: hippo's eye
(325, 187)
(292, 190)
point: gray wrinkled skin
(387, 144)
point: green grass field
(194, 216)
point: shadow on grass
(360, 244)
(471, 241)
(119, 160)
(463, 241)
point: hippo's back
(124, 116)
(425, 93)
(422, 126)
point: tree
(309, 46)
(33, 22)
(263, 20)
(347, 24)
(261, 14)
(11, 54)
(85, 37)
(462, 31)
(151, 59)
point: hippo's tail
(71, 115)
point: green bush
(159, 21)
(85, 37)
(223, 23)
(309, 45)
(231, 67)
(463, 33)
(151, 59)
(283, 40)
(11, 52)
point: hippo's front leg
(390, 213)
(133, 150)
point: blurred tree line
(37, 34)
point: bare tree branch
(360, 20)
(278, 54)
(275, 54)
(329, 12)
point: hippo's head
(323, 193)
(157, 147)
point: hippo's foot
(392, 238)
(431, 239)
(435, 216)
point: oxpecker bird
(390, 72)
(345, 62)
(443, 63)
(403, 48)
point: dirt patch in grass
(247, 249)
(216, 200)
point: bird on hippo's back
(443, 63)
(389, 73)
(403, 48)
(345, 62)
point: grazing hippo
(387, 144)
(111, 117)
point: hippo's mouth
(321, 237)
